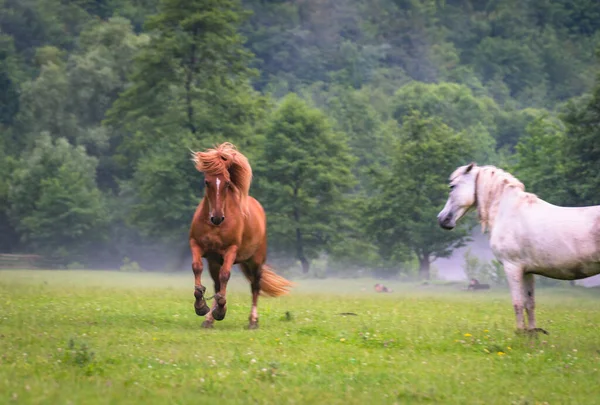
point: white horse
(528, 235)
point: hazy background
(352, 112)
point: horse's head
(225, 170)
(462, 196)
(216, 188)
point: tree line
(352, 112)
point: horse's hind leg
(252, 272)
(529, 291)
(200, 304)
(224, 275)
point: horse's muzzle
(217, 220)
(446, 222)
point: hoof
(219, 313)
(200, 305)
(253, 325)
(531, 332)
(221, 309)
(203, 310)
(207, 324)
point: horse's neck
(499, 205)
(233, 203)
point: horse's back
(543, 236)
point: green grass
(78, 337)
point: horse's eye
(228, 184)
(206, 183)
(451, 186)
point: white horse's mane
(491, 183)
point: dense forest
(352, 112)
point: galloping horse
(229, 227)
(528, 235)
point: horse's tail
(273, 284)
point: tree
(9, 90)
(512, 61)
(409, 196)
(54, 203)
(582, 117)
(35, 23)
(457, 107)
(165, 188)
(8, 236)
(542, 164)
(137, 11)
(369, 134)
(98, 73)
(192, 77)
(303, 177)
(45, 102)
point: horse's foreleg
(209, 320)
(224, 274)
(529, 293)
(213, 267)
(200, 304)
(514, 275)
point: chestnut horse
(229, 227)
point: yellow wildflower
(501, 353)
(468, 335)
(342, 340)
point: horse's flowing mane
(491, 183)
(224, 159)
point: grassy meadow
(84, 337)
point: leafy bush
(130, 267)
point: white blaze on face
(218, 190)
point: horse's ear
(470, 166)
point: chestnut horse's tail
(273, 284)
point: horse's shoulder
(254, 204)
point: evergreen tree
(303, 177)
(54, 202)
(410, 195)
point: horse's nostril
(216, 220)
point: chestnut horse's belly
(246, 253)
